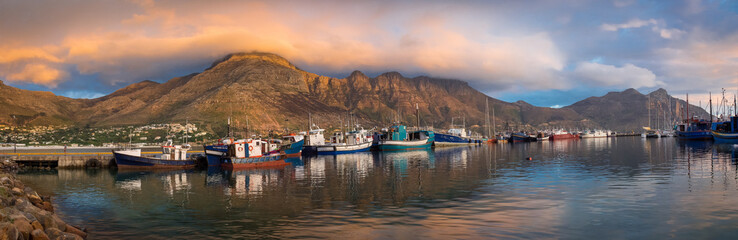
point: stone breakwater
(26, 215)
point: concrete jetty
(45, 159)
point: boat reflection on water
(421, 158)
(727, 151)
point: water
(582, 189)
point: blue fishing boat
(725, 132)
(173, 156)
(454, 136)
(397, 138)
(693, 129)
(519, 137)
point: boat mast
(688, 116)
(494, 125)
(417, 114)
(649, 111)
(187, 129)
(486, 110)
(710, 108)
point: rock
(34, 199)
(24, 228)
(46, 220)
(54, 233)
(73, 230)
(17, 191)
(69, 236)
(5, 181)
(61, 225)
(47, 206)
(38, 234)
(37, 225)
(9, 231)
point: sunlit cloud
(496, 46)
(627, 76)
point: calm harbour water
(618, 188)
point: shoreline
(24, 214)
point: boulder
(46, 219)
(38, 234)
(9, 231)
(54, 233)
(69, 236)
(17, 191)
(37, 225)
(34, 199)
(47, 206)
(61, 225)
(73, 230)
(24, 228)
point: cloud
(627, 76)
(633, 23)
(703, 57)
(157, 38)
(667, 33)
(37, 74)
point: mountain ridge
(268, 92)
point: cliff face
(270, 93)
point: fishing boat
(594, 134)
(454, 136)
(251, 153)
(519, 137)
(563, 134)
(725, 131)
(340, 143)
(397, 138)
(693, 129)
(541, 136)
(173, 156)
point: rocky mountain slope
(267, 92)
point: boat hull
(725, 138)
(255, 162)
(403, 145)
(342, 149)
(446, 139)
(564, 136)
(124, 161)
(214, 154)
(694, 135)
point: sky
(547, 53)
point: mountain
(267, 92)
(629, 110)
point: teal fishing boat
(397, 138)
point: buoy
(529, 158)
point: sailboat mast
(688, 116)
(710, 108)
(486, 110)
(494, 125)
(649, 111)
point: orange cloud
(38, 74)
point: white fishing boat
(594, 134)
(351, 142)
